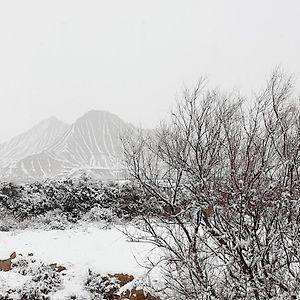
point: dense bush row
(73, 198)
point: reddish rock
(122, 278)
(60, 269)
(5, 264)
(57, 268)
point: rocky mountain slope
(91, 144)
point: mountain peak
(91, 143)
(53, 121)
(33, 141)
(98, 114)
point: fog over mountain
(54, 149)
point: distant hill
(54, 149)
(33, 141)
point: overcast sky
(133, 57)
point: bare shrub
(226, 174)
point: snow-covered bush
(99, 214)
(52, 220)
(7, 220)
(11, 197)
(132, 202)
(59, 202)
(101, 286)
(42, 284)
(75, 197)
(38, 281)
(24, 201)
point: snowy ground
(86, 247)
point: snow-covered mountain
(33, 141)
(92, 141)
(91, 144)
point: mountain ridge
(91, 143)
(32, 141)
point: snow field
(79, 249)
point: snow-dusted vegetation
(211, 211)
(228, 175)
(80, 223)
(59, 203)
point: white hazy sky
(133, 57)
